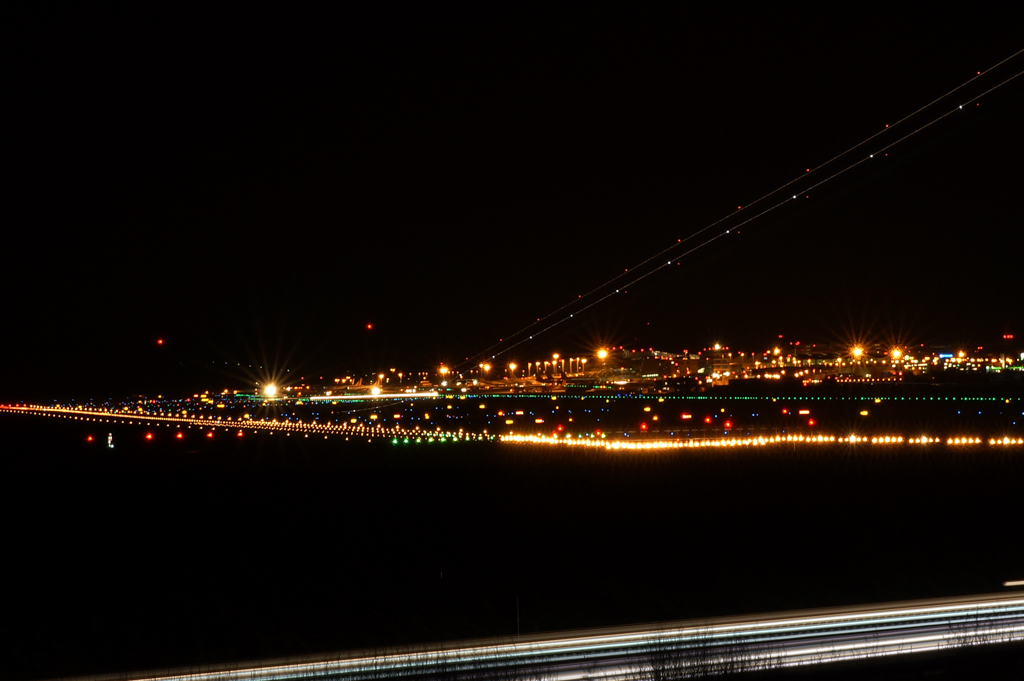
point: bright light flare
(270, 390)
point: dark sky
(259, 189)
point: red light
(785, 411)
(369, 326)
(728, 425)
(811, 422)
(149, 436)
(707, 419)
(210, 434)
(88, 438)
(686, 416)
(643, 426)
(560, 428)
(239, 433)
(159, 341)
(179, 435)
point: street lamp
(512, 369)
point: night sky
(258, 190)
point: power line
(675, 259)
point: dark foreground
(160, 554)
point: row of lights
(377, 430)
(589, 441)
(403, 434)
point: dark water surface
(174, 553)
